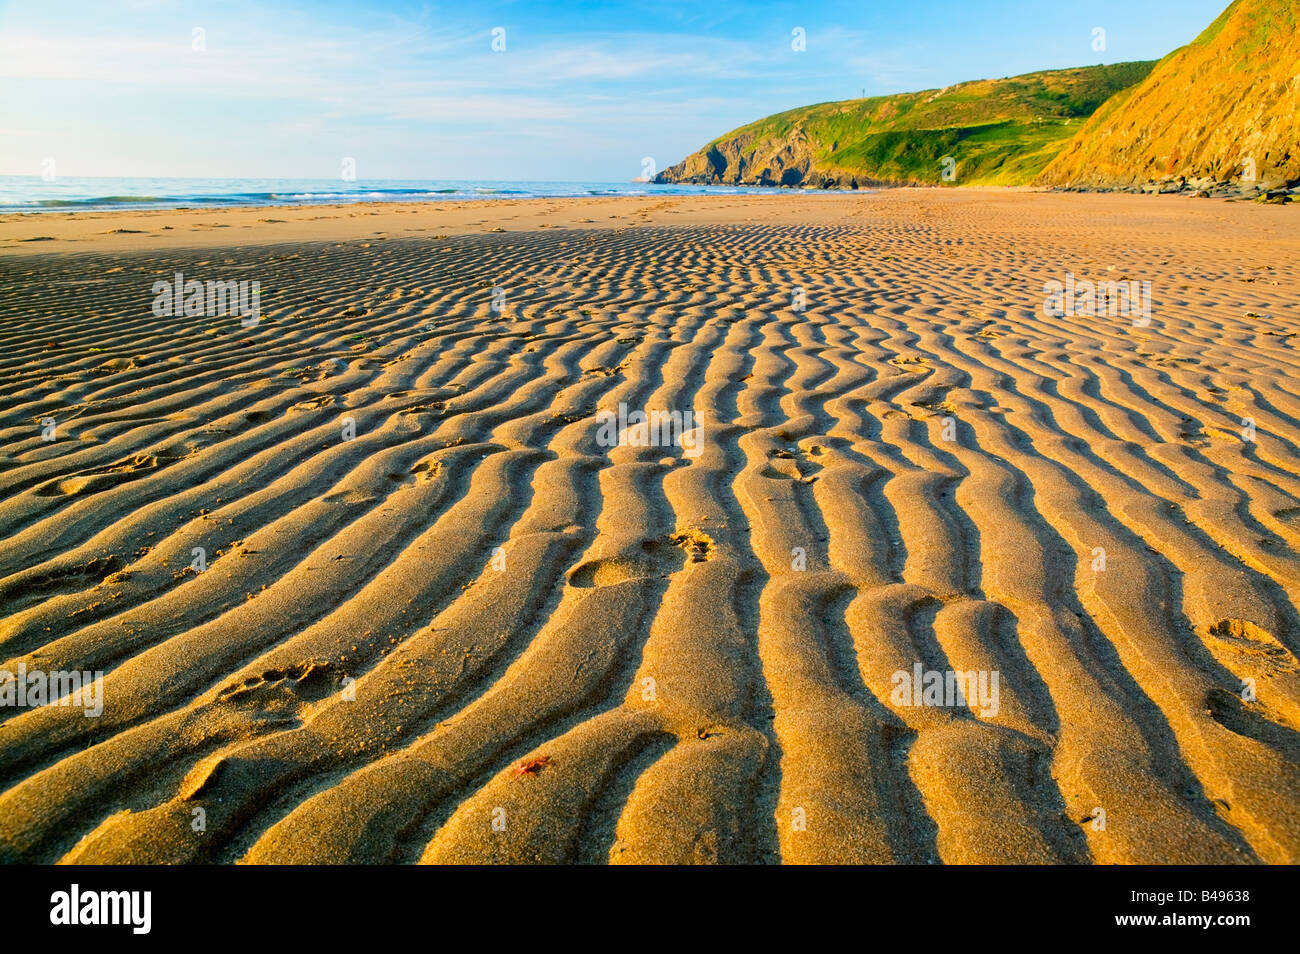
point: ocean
(70, 193)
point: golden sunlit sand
(461, 629)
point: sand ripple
(471, 633)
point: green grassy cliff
(996, 132)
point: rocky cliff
(1223, 109)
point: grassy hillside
(997, 131)
(1208, 111)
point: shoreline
(64, 232)
(313, 194)
(45, 232)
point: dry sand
(671, 658)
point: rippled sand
(473, 633)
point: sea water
(70, 194)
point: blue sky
(582, 91)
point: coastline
(237, 226)
(34, 233)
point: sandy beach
(365, 583)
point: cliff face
(750, 158)
(982, 132)
(1215, 111)
(747, 158)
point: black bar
(338, 904)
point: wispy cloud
(581, 87)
